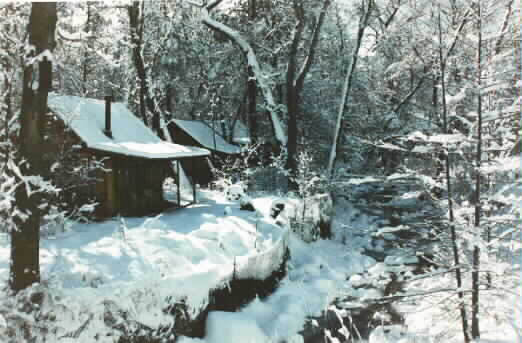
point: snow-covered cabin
(133, 161)
(200, 134)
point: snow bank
(243, 329)
(261, 264)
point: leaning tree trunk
(25, 238)
(261, 78)
(346, 88)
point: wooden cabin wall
(132, 187)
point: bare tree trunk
(347, 86)
(292, 101)
(454, 245)
(475, 328)
(25, 239)
(85, 66)
(505, 22)
(252, 85)
(295, 84)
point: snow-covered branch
(236, 37)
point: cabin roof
(86, 117)
(204, 135)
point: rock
(245, 204)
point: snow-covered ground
(318, 272)
(136, 263)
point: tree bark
(86, 61)
(25, 239)
(292, 101)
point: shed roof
(86, 117)
(204, 135)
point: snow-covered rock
(235, 192)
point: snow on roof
(86, 117)
(205, 136)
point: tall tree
(25, 239)
(295, 80)
(137, 25)
(475, 328)
(252, 85)
(363, 23)
(253, 64)
(447, 164)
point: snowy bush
(310, 218)
(236, 169)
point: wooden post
(193, 183)
(110, 188)
(178, 182)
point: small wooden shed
(200, 134)
(134, 161)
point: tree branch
(237, 39)
(313, 46)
